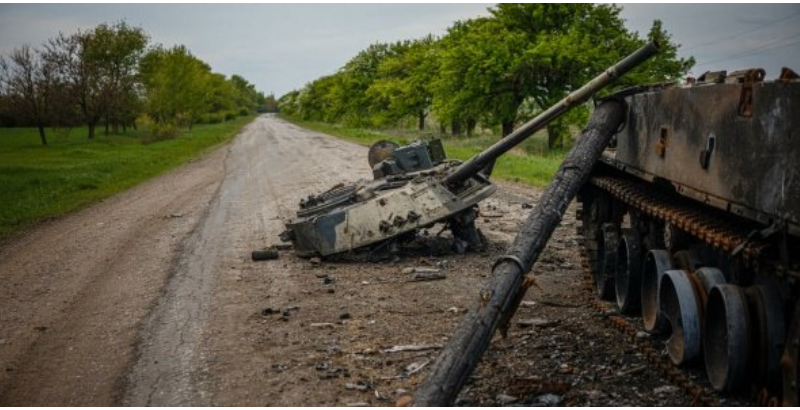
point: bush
(230, 115)
(158, 131)
(211, 118)
(244, 112)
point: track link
(719, 233)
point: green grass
(37, 182)
(530, 163)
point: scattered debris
(333, 374)
(344, 316)
(528, 303)
(411, 348)
(282, 246)
(455, 310)
(266, 254)
(536, 322)
(526, 205)
(321, 325)
(421, 273)
(329, 280)
(415, 367)
(666, 389)
(504, 399)
(492, 214)
(420, 269)
(404, 401)
(546, 400)
(315, 261)
(176, 215)
(420, 276)
(359, 404)
(629, 372)
(269, 311)
(359, 385)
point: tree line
(495, 71)
(112, 76)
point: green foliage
(175, 83)
(493, 71)
(403, 82)
(40, 182)
(108, 75)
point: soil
(151, 298)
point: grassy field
(38, 182)
(530, 163)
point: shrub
(157, 131)
(215, 118)
(243, 112)
(230, 115)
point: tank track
(719, 233)
(706, 226)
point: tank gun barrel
(577, 97)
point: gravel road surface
(150, 298)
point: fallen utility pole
(499, 299)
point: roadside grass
(530, 163)
(37, 182)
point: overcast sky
(280, 47)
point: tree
(665, 66)
(79, 73)
(26, 82)
(246, 94)
(114, 51)
(404, 80)
(176, 85)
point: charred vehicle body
(691, 218)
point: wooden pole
(501, 296)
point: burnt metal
(656, 263)
(607, 263)
(628, 274)
(790, 361)
(725, 346)
(681, 306)
(769, 332)
(746, 133)
(787, 75)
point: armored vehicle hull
(692, 219)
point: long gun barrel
(577, 97)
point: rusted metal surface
(721, 234)
(745, 132)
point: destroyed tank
(416, 186)
(691, 219)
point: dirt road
(150, 298)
